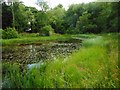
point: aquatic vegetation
(26, 54)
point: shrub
(46, 31)
(9, 33)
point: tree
(79, 18)
(43, 5)
(55, 17)
(71, 17)
(7, 18)
(21, 17)
(32, 16)
(46, 31)
(103, 17)
(114, 17)
(83, 22)
(41, 20)
(12, 3)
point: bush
(9, 33)
(46, 31)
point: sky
(53, 3)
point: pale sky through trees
(65, 3)
(53, 3)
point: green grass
(21, 35)
(95, 65)
(85, 35)
(33, 38)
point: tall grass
(94, 66)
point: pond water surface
(34, 53)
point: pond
(34, 53)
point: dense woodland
(94, 17)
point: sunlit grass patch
(85, 35)
(98, 41)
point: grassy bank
(95, 65)
(33, 38)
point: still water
(34, 53)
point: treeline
(93, 17)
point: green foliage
(25, 35)
(43, 5)
(6, 10)
(41, 20)
(9, 33)
(79, 18)
(85, 25)
(14, 73)
(92, 18)
(55, 17)
(21, 17)
(1, 30)
(46, 31)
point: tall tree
(7, 18)
(21, 21)
(43, 5)
(71, 17)
(13, 5)
(56, 18)
(31, 13)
